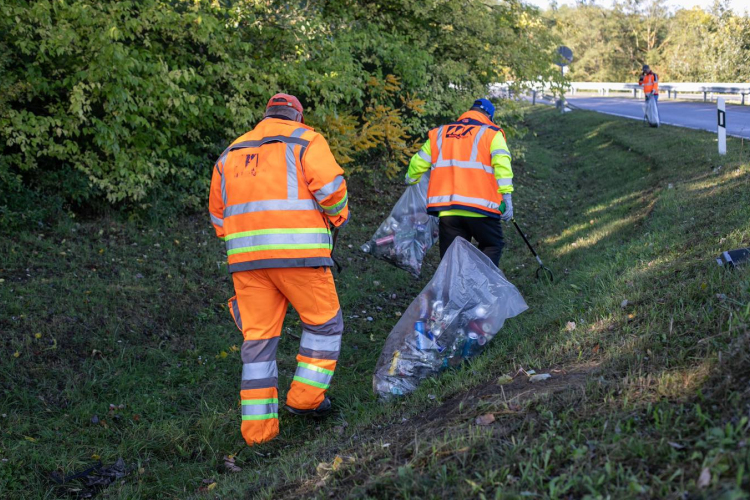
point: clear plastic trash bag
(408, 232)
(459, 311)
(652, 112)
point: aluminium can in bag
(459, 311)
(408, 232)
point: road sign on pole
(721, 125)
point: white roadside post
(722, 125)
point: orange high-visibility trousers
(259, 309)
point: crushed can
(420, 334)
(471, 346)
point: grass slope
(648, 398)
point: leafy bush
(122, 101)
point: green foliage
(131, 102)
(102, 311)
(612, 44)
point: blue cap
(486, 106)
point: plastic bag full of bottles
(408, 232)
(453, 319)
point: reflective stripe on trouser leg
(316, 362)
(259, 395)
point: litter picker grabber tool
(543, 270)
(333, 249)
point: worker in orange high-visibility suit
(471, 179)
(650, 83)
(275, 192)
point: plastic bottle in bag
(453, 319)
(408, 232)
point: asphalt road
(696, 115)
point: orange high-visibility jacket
(462, 174)
(273, 193)
(650, 83)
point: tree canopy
(612, 43)
(124, 102)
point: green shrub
(125, 101)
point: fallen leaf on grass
(624, 303)
(705, 478)
(485, 419)
(676, 446)
(539, 378)
(504, 379)
(16, 354)
(230, 465)
(570, 326)
(323, 467)
(595, 349)
(208, 485)
(30, 439)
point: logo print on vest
(249, 158)
(460, 131)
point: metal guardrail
(603, 88)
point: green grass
(647, 396)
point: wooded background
(127, 104)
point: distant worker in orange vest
(275, 191)
(471, 179)
(650, 83)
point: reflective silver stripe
(507, 181)
(321, 378)
(330, 188)
(464, 164)
(259, 350)
(298, 132)
(223, 186)
(281, 263)
(409, 180)
(277, 239)
(504, 152)
(292, 189)
(439, 144)
(219, 222)
(266, 205)
(334, 326)
(338, 207)
(259, 370)
(262, 409)
(236, 313)
(475, 144)
(261, 383)
(330, 343)
(222, 160)
(463, 199)
(424, 156)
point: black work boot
(322, 410)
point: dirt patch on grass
(387, 447)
